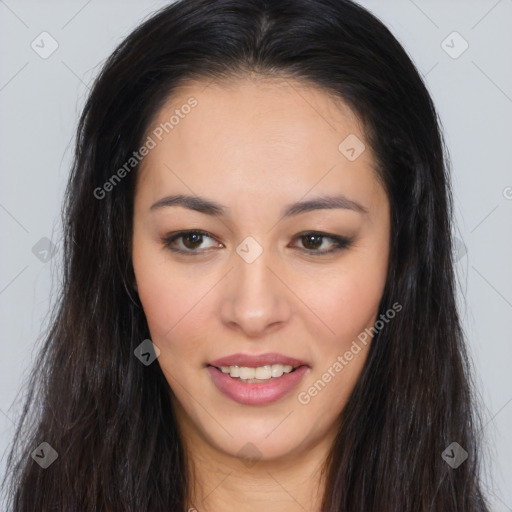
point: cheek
(348, 306)
(346, 301)
(166, 304)
(175, 306)
(160, 305)
(167, 293)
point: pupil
(310, 240)
(196, 237)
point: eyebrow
(209, 207)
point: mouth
(257, 380)
(257, 375)
(255, 369)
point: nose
(255, 299)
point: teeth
(263, 372)
(260, 373)
(247, 373)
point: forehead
(262, 135)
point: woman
(258, 308)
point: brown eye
(313, 241)
(192, 242)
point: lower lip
(256, 394)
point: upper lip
(252, 361)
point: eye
(191, 242)
(314, 240)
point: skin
(256, 145)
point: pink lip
(256, 394)
(255, 361)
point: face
(261, 235)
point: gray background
(40, 100)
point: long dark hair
(109, 417)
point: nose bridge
(255, 299)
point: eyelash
(340, 242)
